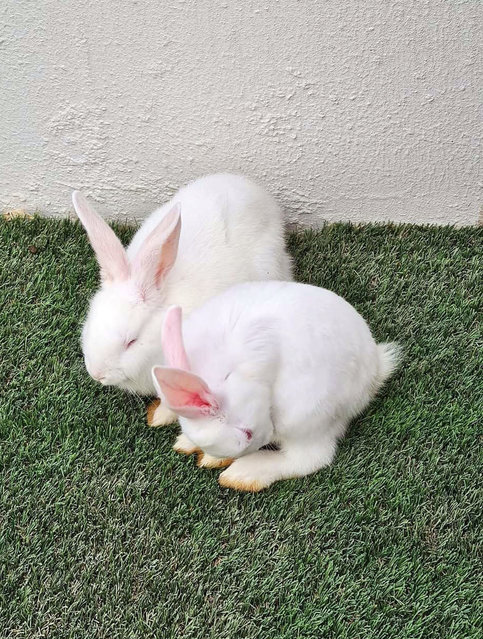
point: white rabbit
(269, 362)
(229, 230)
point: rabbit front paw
(185, 446)
(208, 461)
(159, 415)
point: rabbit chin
(142, 385)
(136, 388)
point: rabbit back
(232, 231)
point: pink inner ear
(185, 393)
(158, 252)
(172, 339)
(195, 401)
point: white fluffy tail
(390, 355)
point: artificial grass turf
(106, 532)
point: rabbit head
(229, 420)
(120, 337)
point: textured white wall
(360, 110)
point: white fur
(231, 231)
(290, 362)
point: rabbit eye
(130, 343)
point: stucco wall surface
(360, 110)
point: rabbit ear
(109, 251)
(158, 251)
(185, 393)
(172, 339)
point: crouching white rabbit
(215, 232)
(269, 362)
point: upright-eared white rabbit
(217, 231)
(269, 362)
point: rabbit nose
(99, 377)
